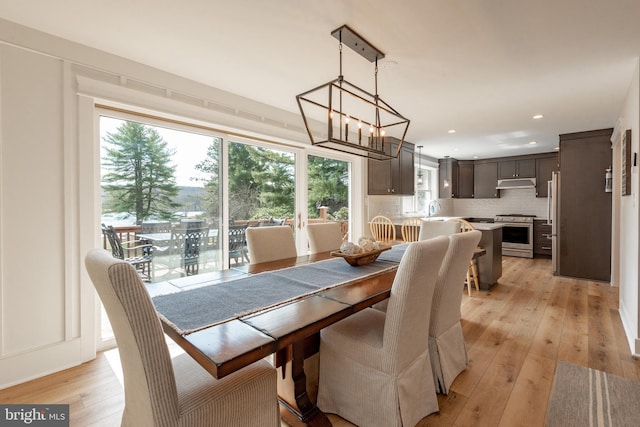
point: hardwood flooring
(515, 334)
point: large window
(328, 190)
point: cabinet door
(526, 168)
(485, 180)
(465, 179)
(506, 169)
(379, 177)
(544, 167)
(448, 178)
(407, 170)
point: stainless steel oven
(517, 234)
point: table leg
(304, 412)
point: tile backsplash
(516, 201)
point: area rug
(590, 398)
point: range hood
(507, 184)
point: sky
(190, 149)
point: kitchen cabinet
(485, 179)
(517, 168)
(541, 238)
(393, 176)
(448, 178)
(544, 167)
(465, 179)
(585, 214)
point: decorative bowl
(362, 258)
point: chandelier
(341, 116)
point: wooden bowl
(362, 258)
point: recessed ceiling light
(538, 116)
(452, 131)
(533, 142)
(557, 148)
(475, 157)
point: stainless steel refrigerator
(553, 218)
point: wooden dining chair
(472, 272)
(411, 229)
(159, 390)
(374, 365)
(382, 229)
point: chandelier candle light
(329, 109)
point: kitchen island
(490, 264)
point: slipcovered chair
(446, 343)
(382, 229)
(179, 392)
(324, 236)
(431, 229)
(266, 244)
(374, 366)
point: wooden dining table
(289, 330)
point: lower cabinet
(541, 239)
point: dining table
(228, 319)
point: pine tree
(140, 178)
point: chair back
(464, 224)
(187, 244)
(324, 236)
(114, 241)
(431, 229)
(447, 297)
(411, 229)
(382, 229)
(409, 305)
(237, 237)
(149, 382)
(266, 244)
(148, 227)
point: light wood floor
(515, 335)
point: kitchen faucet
(433, 207)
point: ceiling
(483, 68)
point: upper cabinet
(485, 174)
(517, 168)
(447, 178)
(393, 176)
(544, 168)
(465, 179)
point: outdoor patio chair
(135, 252)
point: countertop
(486, 226)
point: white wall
(629, 221)
(49, 182)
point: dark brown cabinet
(544, 168)
(394, 176)
(465, 179)
(541, 238)
(517, 168)
(448, 178)
(485, 179)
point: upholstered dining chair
(160, 391)
(382, 229)
(447, 350)
(431, 229)
(266, 244)
(374, 365)
(410, 229)
(472, 272)
(324, 236)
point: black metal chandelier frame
(386, 127)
